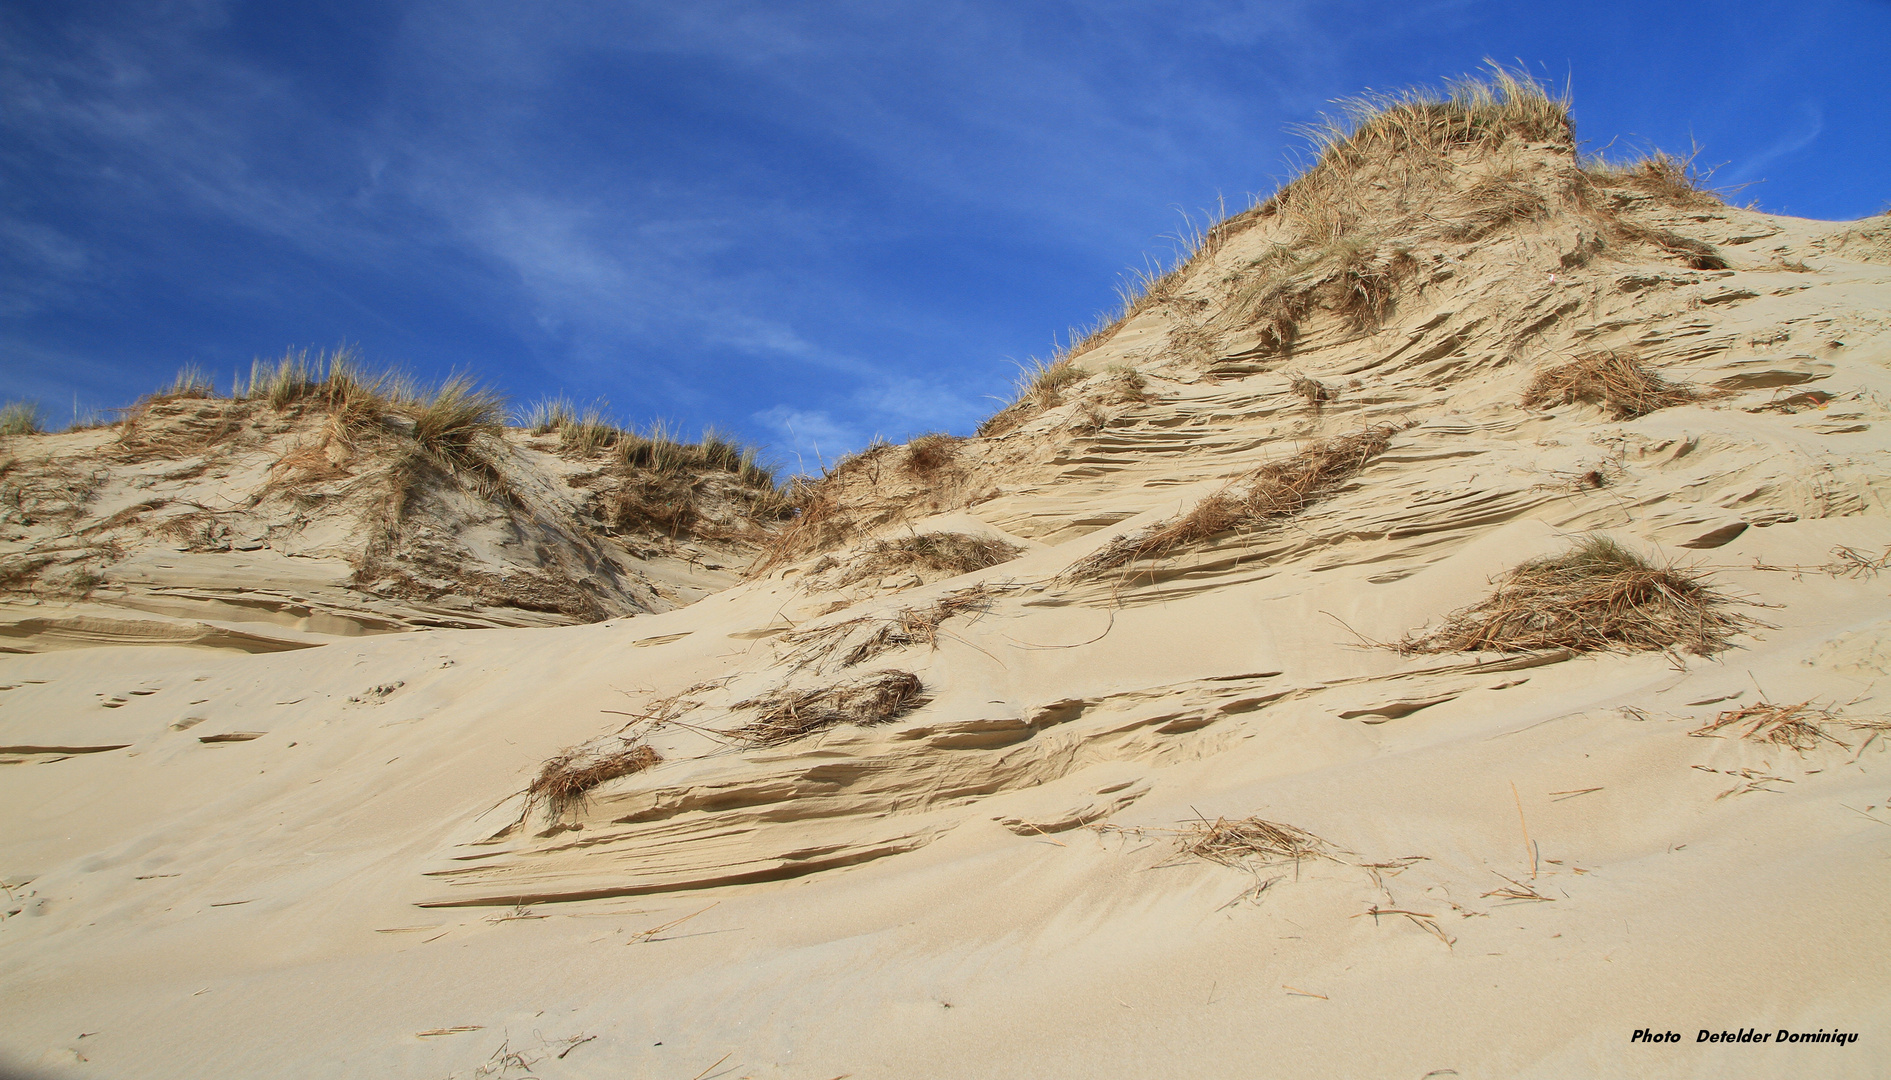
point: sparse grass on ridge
(593, 434)
(1040, 386)
(548, 415)
(1333, 261)
(1672, 181)
(1384, 180)
(191, 382)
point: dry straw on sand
(855, 641)
(1597, 595)
(562, 782)
(786, 715)
(953, 553)
(1248, 841)
(1612, 379)
(1798, 727)
(1271, 493)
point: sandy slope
(319, 862)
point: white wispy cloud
(1811, 125)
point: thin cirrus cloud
(1811, 126)
(809, 224)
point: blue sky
(803, 223)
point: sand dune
(1159, 793)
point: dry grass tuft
(1248, 842)
(1271, 493)
(191, 382)
(1357, 277)
(650, 504)
(1315, 392)
(817, 524)
(954, 553)
(1364, 281)
(786, 715)
(449, 422)
(1087, 419)
(1615, 380)
(930, 453)
(1597, 595)
(1040, 387)
(1125, 386)
(20, 418)
(166, 427)
(1494, 202)
(304, 464)
(562, 782)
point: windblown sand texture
(967, 776)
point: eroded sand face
(227, 861)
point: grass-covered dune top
(448, 418)
(431, 497)
(1400, 191)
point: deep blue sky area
(803, 223)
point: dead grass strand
(1798, 727)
